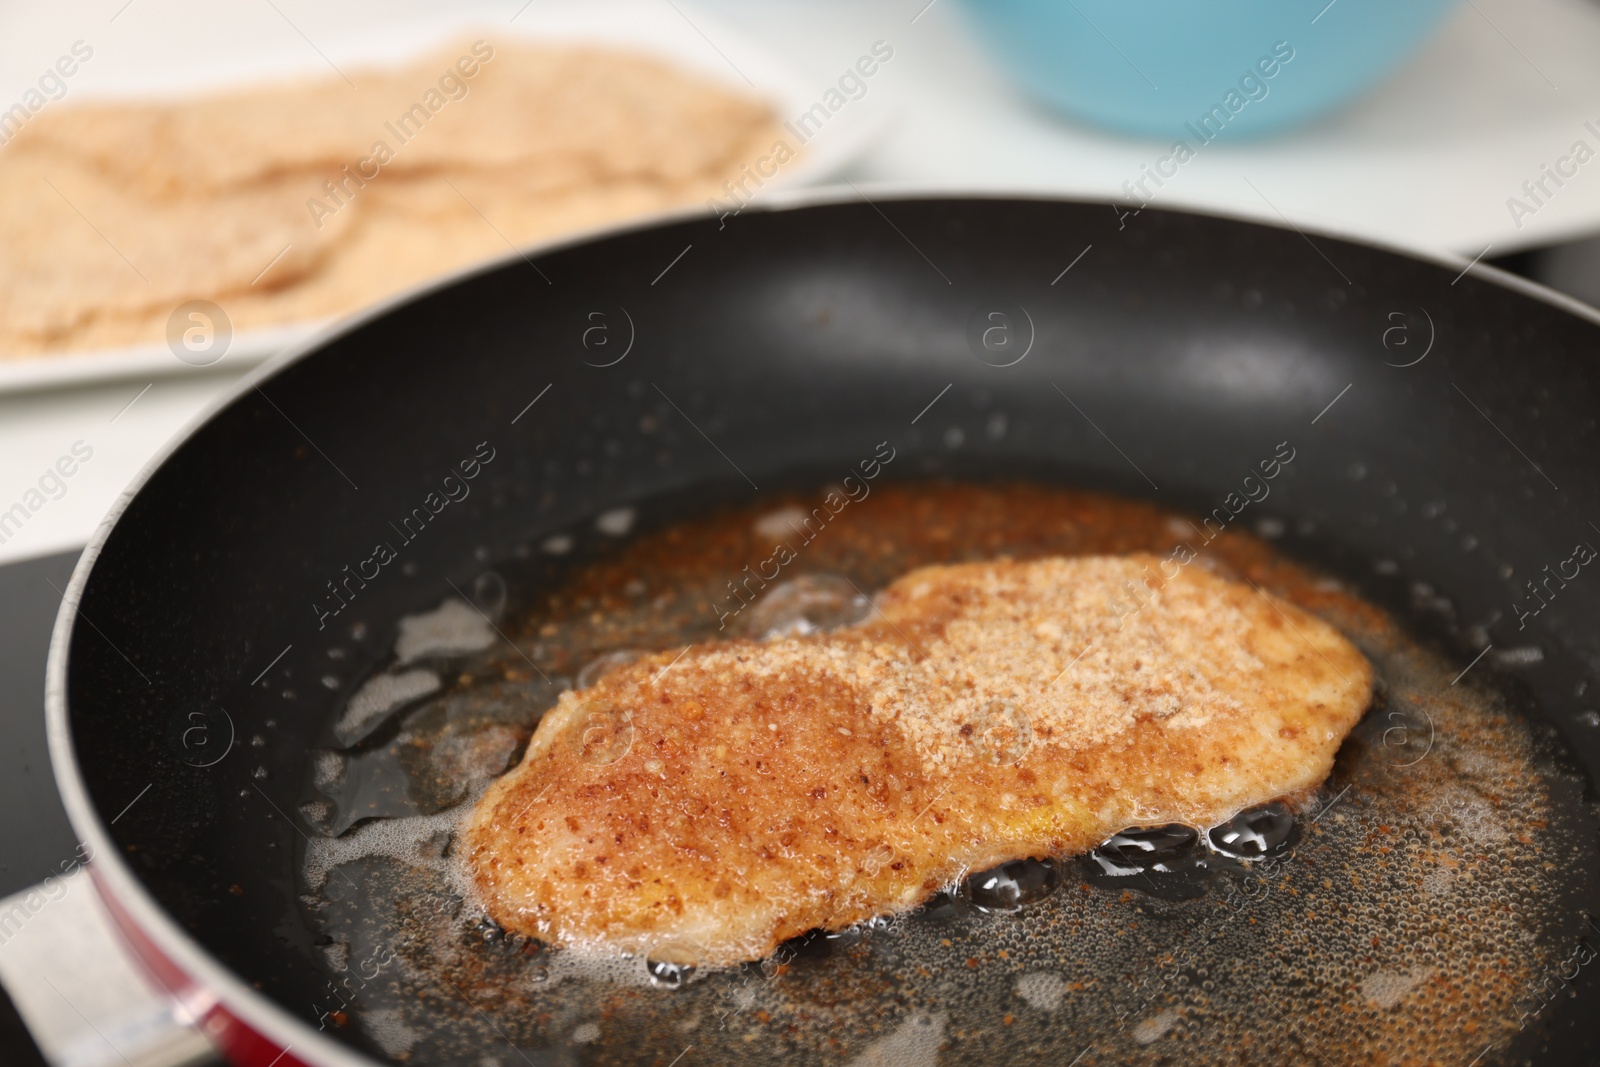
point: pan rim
(253, 1008)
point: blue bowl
(1193, 68)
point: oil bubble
(668, 975)
(1152, 848)
(1012, 885)
(807, 604)
(1255, 832)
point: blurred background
(1462, 127)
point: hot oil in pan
(1404, 913)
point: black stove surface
(35, 837)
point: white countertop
(1428, 159)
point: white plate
(132, 68)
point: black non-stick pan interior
(1444, 426)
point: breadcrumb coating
(702, 806)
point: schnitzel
(701, 806)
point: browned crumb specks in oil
(1403, 927)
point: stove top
(35, 836)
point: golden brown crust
(703, 807)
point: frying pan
(1444, 419)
